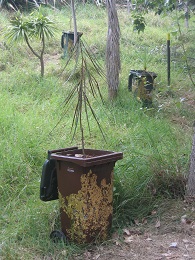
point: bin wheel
(57, 236)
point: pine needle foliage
(85, 88)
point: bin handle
(61, 150)
(62, 41)
(130, 82)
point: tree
(35, 26)
(113, 50)
(86, 85)
(74, 21)
(190, 192)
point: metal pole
(168, 60)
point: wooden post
(168, 60)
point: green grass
(156, 143)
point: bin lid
(72, 33)
(94, 157)
(143, 73)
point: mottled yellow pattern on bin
(139, 90)
(89, 210)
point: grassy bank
(156, 143)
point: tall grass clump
(153, 166)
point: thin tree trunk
(42, 66)
(190, 192)
(27, 42)
(187, 14)
(128, 6)
(40, 57)
(74, 21)
(113, 50)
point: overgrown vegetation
(156, 143)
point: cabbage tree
(35, 26)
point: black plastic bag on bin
(49, 185)
(49, 181)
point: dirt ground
(167, 235)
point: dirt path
(168, 246)
(170, 235)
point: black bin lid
(143, 73)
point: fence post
(168, 60)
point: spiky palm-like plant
(36, 25)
